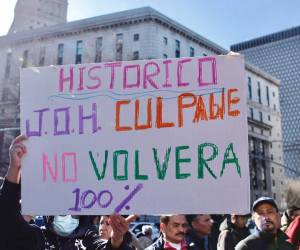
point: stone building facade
(142, 33)
(279, 54)
(32, 14)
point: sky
(224, 22)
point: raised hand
(16, 151)
(119, 228)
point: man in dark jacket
(62, 232)
(199, 237)
(268, 235)
(233, 230)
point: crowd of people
(178, 231)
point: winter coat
(17, 234)
(230, 235)
(159, 244)
(293, 232)
(145, 241)
(194, 242)
(261, 241)
(91, 241)
(285, 221)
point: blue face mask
(65, 225)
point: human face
(266, 218)
(240, 221)
(202, 224)
(104, 228)
(174, 231)
(295, 214)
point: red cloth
(169, 247)
(293, 232)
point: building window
(165, 56)
(177, 48)
(274, 196)
(272, 170)
(269, 117)
(192, 52)
(136, 55)
(251, 145)
(60, 54)
(251, 113)
(274, 107)
(268, 97)
(273, 183)
(8, 64)
(259, 92)
(264, 175)
(42, 56)
(253, 173)
(79, 49)
(25, 58)
(249, 88)
(98, 57)
(136, 37)
(5, 95)
(273, 93)
(260, 116)
(119, 47)
(165, 40)
(261, 148)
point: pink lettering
(73, 169)
(69, 79)
(81, 71)
(46, 165)
(112, 72)
(180, 83)
(93, 77)
(125, 81)
(212, 61)
(148, 75)
(68, 165)
(167, 79)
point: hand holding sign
(16, 151)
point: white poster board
(143, 137)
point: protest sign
(144, 137)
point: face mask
(65, 225)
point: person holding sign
(173, 228)
(62, 232)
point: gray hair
(147, 230)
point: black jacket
(194, 242)
(157, 245)
(17, 234)
(230, 235)
(91, 241)
(260, 241)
